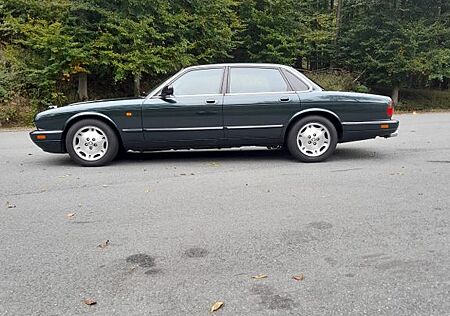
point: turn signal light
(41, 137)
(384, 126)
(390, 109)
(128, 114)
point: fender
(296, 115)
(78, 115)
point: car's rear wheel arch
(75, 119)
(328, 115)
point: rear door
(257, 104)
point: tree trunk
(395, 93)
(338, 18)
(338, 31)
(82, 86)
(137, 85)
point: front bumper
(48, 141)
(353, 131)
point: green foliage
(46, 44)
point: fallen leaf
(9, 205)
(299, 277)
(70, 215)
(216, 306)
(89, 301)
(104, 244)
(259, 276)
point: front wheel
(312, 139)
(91, 143)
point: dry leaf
(9, 205)
(216, 306)
(104, 244)
(70, 215)
(89, 301)
(259, 276)
(299, 277)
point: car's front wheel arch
(74, 120)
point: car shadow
(223, 155)
(233, 155)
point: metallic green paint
(219, 120)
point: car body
(217, 106)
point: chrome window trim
(259, 93)
(370, 122)
(301, 78)
(191, 95)
(253, 126)
(178, 129)
(181, 73)
(294, 71)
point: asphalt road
(368, 229)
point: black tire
(294, 146)
(112, 143)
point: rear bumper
(353, 131)
(52, 143)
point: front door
(191, 116)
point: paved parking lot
(368, 229)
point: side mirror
(166, 91)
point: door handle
(211, 101)
(205, 113)
(285, 99)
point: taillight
(390, 109)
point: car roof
(239, 64)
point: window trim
(157, 95)
(282, 70)
(227, 91)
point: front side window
(201, 81)
(254, 80)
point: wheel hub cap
(313, 139)
(90, 143)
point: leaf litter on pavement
(10, 205)
(216, 306)
(89, 301)
(104, 244)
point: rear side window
(296, 83)
(254, 80)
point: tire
(312, 139)
(92, 143)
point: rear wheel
(312, 139)
(91, 143)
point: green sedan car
(218, 106)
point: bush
(337, 80)
(16, 112)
